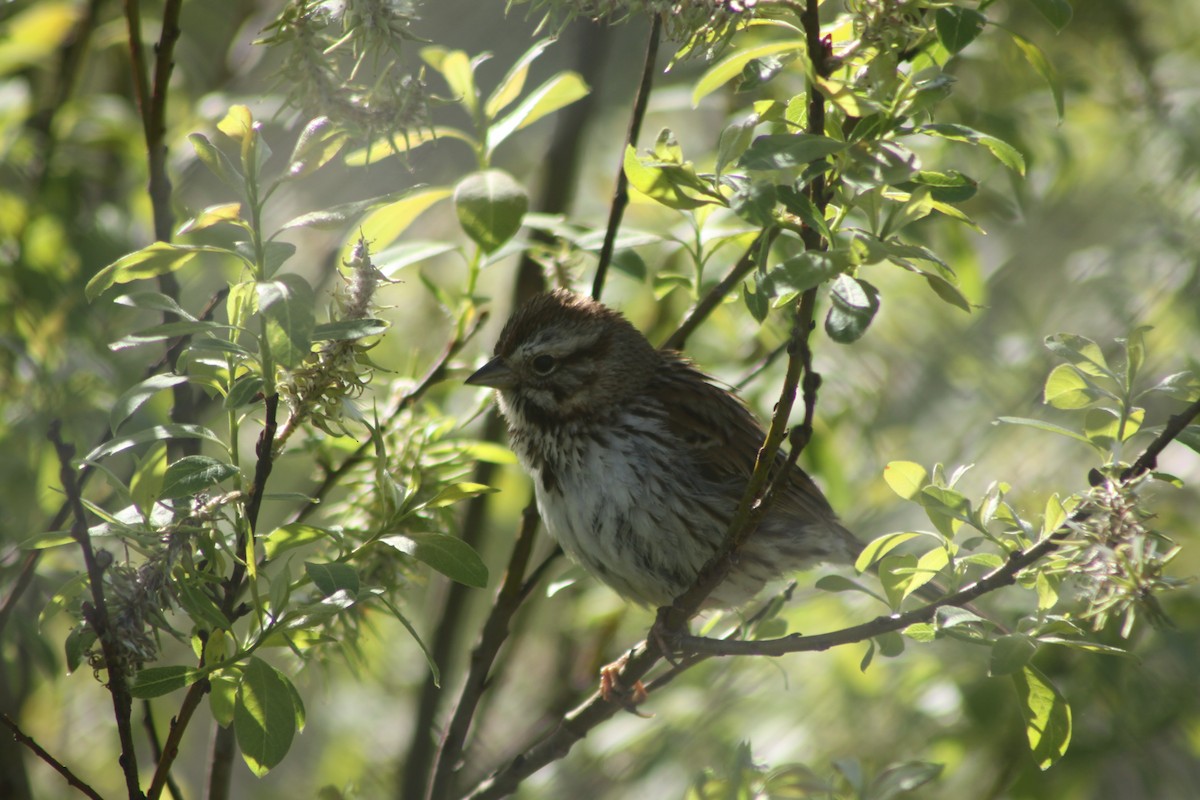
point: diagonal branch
(621, 192)
(40, 752)
(493, 635)
(717, 294)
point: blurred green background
(1101, 236)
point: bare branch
(495, 631)
(96, 613)
(58, 766)
(621, 192)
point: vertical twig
(621, 192)
(96, 614)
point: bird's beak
(495, 374)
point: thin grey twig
(621, 192)
(41, 753)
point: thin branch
(717, 294)
(1175, 426)
(621, 192)
(491, 638)
(96, 613)
(58, 766)
(170, 749)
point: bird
(639, 459)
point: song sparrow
(639, 460)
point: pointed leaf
(192, 474)
(788, 150)
(151, 261)
(513, 82)
(1047, 716)
(450, 556)
(157, 681)
(561, 90)
(136, 396)
(287, 305)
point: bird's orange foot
(613, 691)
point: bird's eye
(543, 364)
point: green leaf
(450, 556)
(1041, 425)
(1042, 66)
(405, 142)
(77, 644)
(397, 257)
(510, 86)
(655, 184)
(151, 261)
(1010, 654)
(788, 150)
(154, 301)
(319, 142)
(213, 215)
(222, 697)
(287, 305)
(168, 330)
(947, 291)
(1190, 437)
(386, 224)
(458, 491)
(945, 507)
(853, 305)
(731, 66)
(154, 434)
(561, 90)
(47, 540)
(1081, 352)
(191, 474)
(1066, 388)
(344, 214)
(147, 480)
(754, 201)
(958, 27)
(332, 577)
(490, 206)
(803, 207)
(896, 575)
(349, 329)
(200, 606)
(217, 162)
(950, 186)
(809, 269)
(1008, 155)
(245, 390)
(734, 140)
(1047, 716)
(458, 70)
(906, 478)
(840, 583)
(880, 547)
(287, 537)
(1057, 12)
(433, 667)
(136, 396)
(157, 681)
(264, 716)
